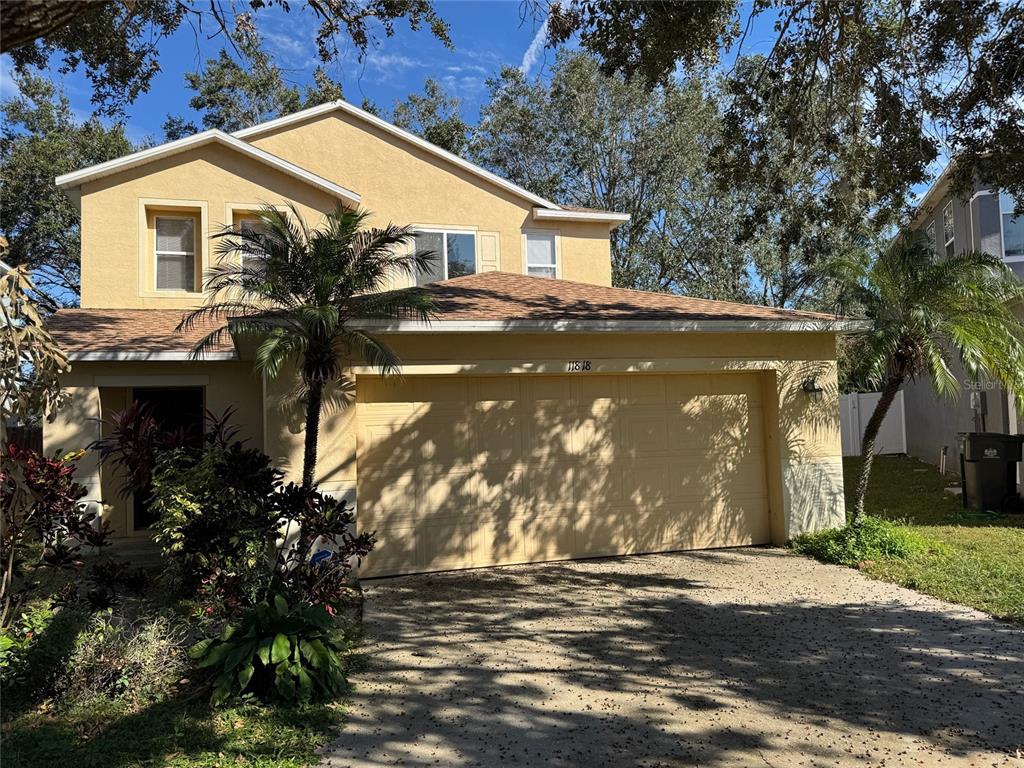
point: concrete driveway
(727, 658)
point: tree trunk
(313, 403)
(28, 20)
(867, 446)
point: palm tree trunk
(867, 446)
(313, 403)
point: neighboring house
(542, 415)
(983, 220)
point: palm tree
(295, 291)
(924, 311)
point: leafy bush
(39, 504)
(871, 538)
(16, 638)
(217, 519)
(315, 559)
(276, 652)
(136, 660)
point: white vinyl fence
(854, 412)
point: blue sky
(487, 36)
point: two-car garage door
(458, 471)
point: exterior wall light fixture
(814, 392)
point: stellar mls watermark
(981, 386)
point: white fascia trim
(77, 178)
(394, 130)
(542, 214)
(612, 326)
(150, 356)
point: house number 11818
(576, 366)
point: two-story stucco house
(981, 220)
(542, 415)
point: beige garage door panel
(457, 472)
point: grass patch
(178, 733)
(873, 538)
(964, 557)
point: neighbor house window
(454, 255)
(541, 256)
(948, 233)
(1013, 229)
(175, 253)
(930, 232)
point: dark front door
(178, 411)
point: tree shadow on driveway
(734, 657)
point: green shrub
(871, 538)
(276, 652)
(17, 638)
(217, 519)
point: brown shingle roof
(127, 331)
(505, 296)
(490, 296)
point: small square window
(541, 255)
(175, 253)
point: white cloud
(391, 61)
(536, 49)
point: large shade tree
(589, 139)
(41, 138)
(897, 83)
(926, 312)
(243, 85)
(295, 291)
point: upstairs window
(948, 232)
(1013, 229)
(454, 255)
(541, 255)
(252, 225)
(175, 253)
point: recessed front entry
(178, 412)
(459, 472)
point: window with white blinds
(541, 256)
(175, 253)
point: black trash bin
(988, 468)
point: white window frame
(952, 230)
(555, 235)
(932, 237)
(196, 222)
(444, 232)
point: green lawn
(973, 559)
(175, 734)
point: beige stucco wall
(404, 184)
(398, 183)
(802, 441)
(116, 241)
(96, 389)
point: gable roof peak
(75, 179)
(256, 131)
